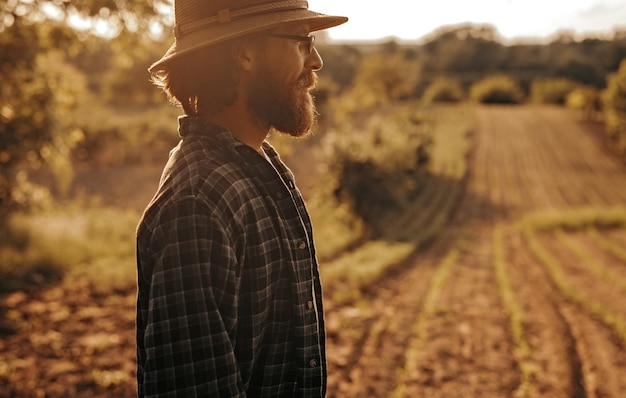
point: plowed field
(494, 309)
(522, 295)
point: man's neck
(239, 122)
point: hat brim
(243, 27)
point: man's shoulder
(209, 158)
(207, 170)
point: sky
(513, 19)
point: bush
(443, 89)
(552, 91)
(381, 79)
(614, 101)
(585, 99)
(377, 170)
(499, 89)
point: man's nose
(314, 61)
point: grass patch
(363, 267)
(576, 219)
(89, 242)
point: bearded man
(229, 297)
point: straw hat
(201, 23)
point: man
(229, 297)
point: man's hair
(202, 81)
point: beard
(287, 107)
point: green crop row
(420, 328)
(569, 291)
(515, 313)
(594, 265)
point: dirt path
(445, 329)
(489, 310)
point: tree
(464, 48)
(24, 104)
(37, 86)
(614, 100)
(383, 77)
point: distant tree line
(470, 53)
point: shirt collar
(196, 126)
(191, 125)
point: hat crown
(202, 23)
(193, 15)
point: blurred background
(403, 97)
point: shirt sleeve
(191, 319)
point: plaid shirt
(229, 297)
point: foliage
(378, 169)
(443, 89)
(383, 77)
(465, 48)
(117, 135)
(23, 101)
(127, 81)
(40, 88)
(116, 15)
(39, 92)
(614, 100)
(473, 52)
(499, 89)
(552, 91)
(400, 231)
(341, 62)
(585, 99)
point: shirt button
(302, 245)
(313, 363)
(309, 305)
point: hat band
(226, 15)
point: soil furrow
(384, 317)
(589, 277)
(556, 369)
(601, 353)
(468, 349)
